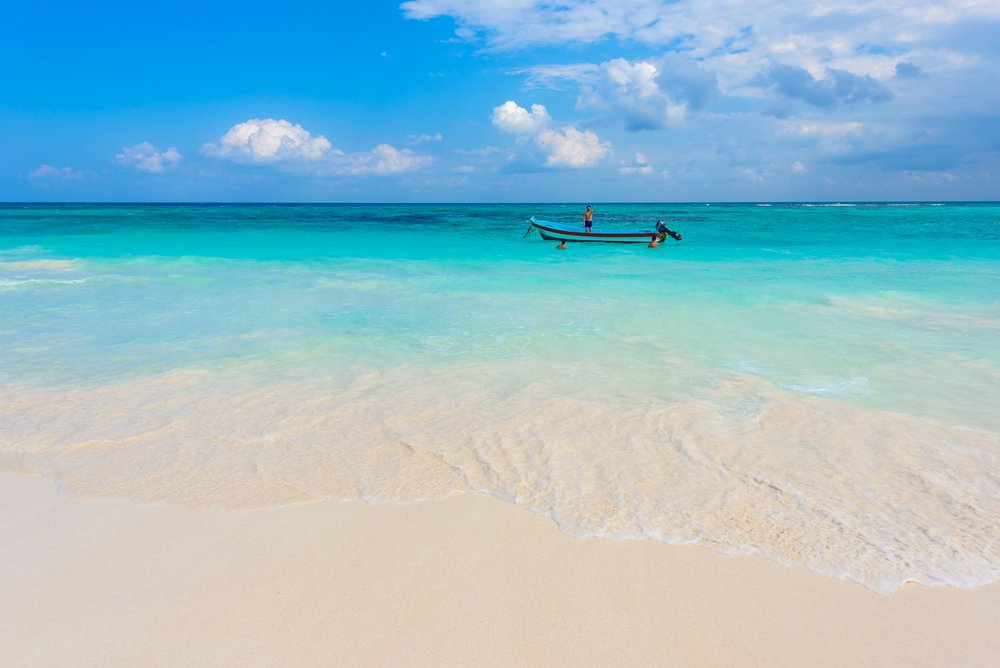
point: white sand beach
(468, 580)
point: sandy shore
(468, 580)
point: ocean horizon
(701, 202)
(814, 382)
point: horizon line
(478, 203)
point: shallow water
(818, 384)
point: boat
(562, 232)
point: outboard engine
(663, 229)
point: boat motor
(663, 229)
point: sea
(817, 383)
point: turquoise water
(816, 383)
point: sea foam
(881, 498)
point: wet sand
(467, 580)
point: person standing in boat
(588, 219)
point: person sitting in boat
(588, 218)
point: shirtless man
(588, 219)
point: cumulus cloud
(513, 119)
(48, 172)
(631, 88)
(640, 166)
(147, 158)
(836, 86)
(654, 93)
(265, 141)
(383, 160)
(569, 147)
(703, 27)
(563, 147)
(292, 148)
(686, 80)
(862, 38)
(835, 60)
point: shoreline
(465, 579)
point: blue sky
(481, 100)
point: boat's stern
(665, 231)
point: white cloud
(635, 80)
(649, 94)
(569, 147)
(563, 147)
(640, 166)
(292, 148)
(704, 26)
(264, 141)
(48, 172)
(932, 178)
(514, 119)
(901, 68)
(826, 128)
(424, 137)
(829, 138)
(733, 39)
(520, 23)
(147, 158)
(629, 88)
(486, 151)
(558, 77)
(383, 160)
